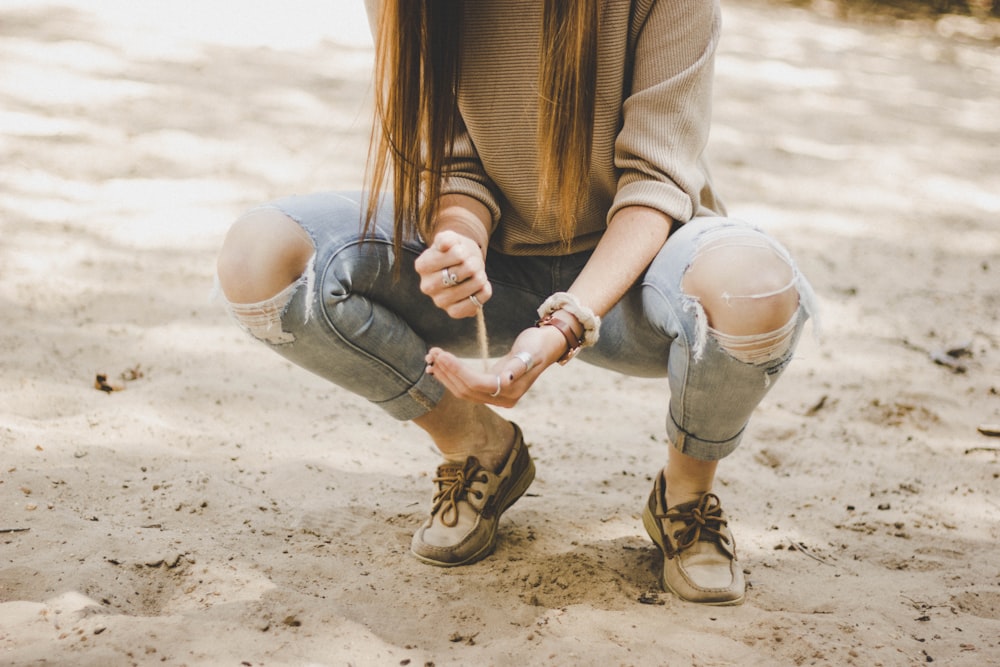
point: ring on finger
(448, 278)
(526, 359)
(497, 392)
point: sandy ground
(226, 508)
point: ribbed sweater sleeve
(665, 116)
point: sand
(222, 507)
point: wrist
(459, 214)
(571, 340)
(567, 308)
(570, 320)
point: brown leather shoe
(699, 553)
(467, 507)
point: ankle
(688, 478)
(674, 499)
(460, 430)
(490, 440)
(682, 489)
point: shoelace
(453, 485)
(702, 521)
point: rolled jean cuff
(416, 402)
(703, 450)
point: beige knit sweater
(654, 92)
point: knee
(263, 253)
(745, 285)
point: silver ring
(475, 301)
(497, 392)
(526, 359)
(448, 279)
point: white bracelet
(566, 301)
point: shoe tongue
(707, 506)
(470, 464)
(451, 471)
(710, 511)
(453, 480)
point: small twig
(817, 406)
(944, 359)
(948, 357)
(923, 606)
(982, 449)
(14, 530)
(912, 346)
(798, 546)
(991, 430)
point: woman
(546, 173)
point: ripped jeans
(352, 321)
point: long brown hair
(417, 72)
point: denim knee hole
(755, 349)
(262, 320)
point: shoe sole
(653, 530)
(514, 494)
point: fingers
(525, 358)
(463, 299)
(466, 384)
(460, 280)
(453, 274)
(503, 385)
(449, 250)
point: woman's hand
(451, 271)
(534, 350)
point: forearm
(466, 216)
(634, 237)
